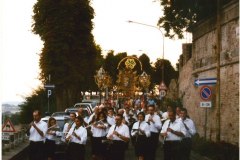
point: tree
(180, 16)
(169, 71)
(36, 101)
(70, 54)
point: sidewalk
(7, 155)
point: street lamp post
(162, 42)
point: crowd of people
(112, 130)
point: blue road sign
(205, 81)
(205, 93)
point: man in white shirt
(191, 130)
(155, 125)
(172, 132)
(37, 130)
(77, 137)
(68, 125)
(120, 136)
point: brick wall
(203, 65)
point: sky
(20, 48)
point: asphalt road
(129, 154)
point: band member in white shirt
(37, 130)
(111, 117)
(140, 131)
(155, 125)
(191, 130)
(98, 129)
(50, 144)
(68, 125)
(172, 132)
(77, 138)
(119, 135)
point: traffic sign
(162, 86)
(8, 126)
(5, 136)
(206, 104)
(205, 81)
(162, 93)
(205, 93)
(49, 86)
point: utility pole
(218, 51)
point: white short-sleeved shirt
(81, 132)
(98, 132)
(111, 120)
(156, 126)
(34, 135)
(122, 129)
(191, 127)
(176, 126)
(143, 126)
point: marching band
(110, 134)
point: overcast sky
(19, 47)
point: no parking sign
(205, 93)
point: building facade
(198, 61)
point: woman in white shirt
(98, 129)
(77, 138)
(50, 144)
(140, 131)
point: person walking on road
(37, 132)
(155, 125)
(98, 129)
(140, 133)
(77, 138)
(119, 135)
(172, 132)
(191, 130)
(50, 144)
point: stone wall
(203, 65)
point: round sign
(205, 93)
(162, 93)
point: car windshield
(59, 114)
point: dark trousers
(75, 151)
(152, 146)
(36, 150)
(186, 148)
(116, 150)
(172, 150)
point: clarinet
(167, 127)
(138, 131)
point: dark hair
(73, 113)
(104, 115)
(141, 113)
(37, 111)
(184, 110)
(80, 118)
(173, 111)
(151, 106)
(119, 115)
(50, 119)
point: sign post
(7, 130)
(49, 88)
(205, 94)
(205, 81)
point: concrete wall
(203, 65)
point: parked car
(84, 105)
(87, 111)
(57, 114)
